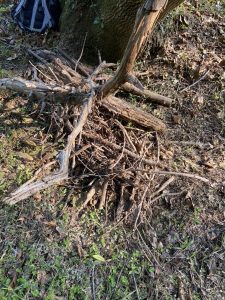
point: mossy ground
(178, 252)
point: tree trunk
(101, 25)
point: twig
(44, 61)
(50, 79)
(121, 154)
(126, 134)
(117, 147)
(103, 196)
(163, 187)
(195, 83)
(193, 176)
(147, 248)
(157, 198)
(158, 147)
(103, 65)
(136, 288)
(140, 206)
(85, 70)
(81, 54)
(88, 196)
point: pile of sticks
(104, 157)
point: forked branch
(28, 190)
(144, 25)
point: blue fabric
(37, 15)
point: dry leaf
(37, 196)
(176, 119)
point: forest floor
(178, 252)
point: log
(136, 115)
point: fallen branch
(67, 94)
(48, 181)
(148, 95)
(41, 90)
(87, 197)
(195, 83)
(188, 175)
(103, 196)
(163, 187)
(140, 206)
(128, 112)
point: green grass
(4, 8)
(50, 270)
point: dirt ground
(177, 249)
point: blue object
(37, 15)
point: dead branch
(103, 196)
(96, 137)
(66, 94)
(148, 95)
(128, 112)
(140, 206)
(62, 174)
(188, 175)
(41, 91)
(163, 187)
(196, 82)
(87, 197)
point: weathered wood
(128, 112)
(66, 94)
(41, 90)
(148, 95)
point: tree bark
(101, 25)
